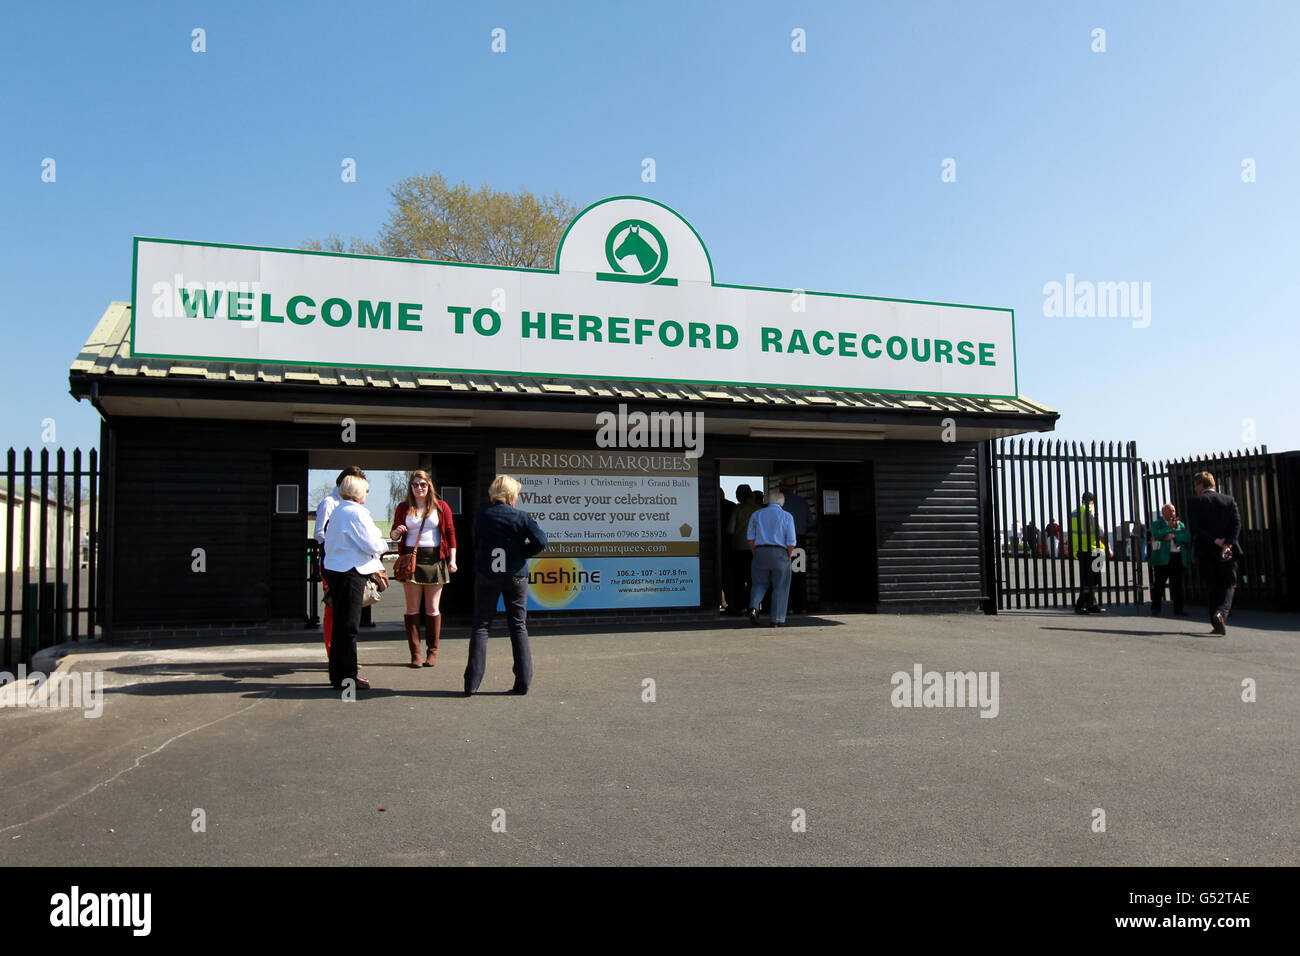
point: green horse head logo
(639, 240)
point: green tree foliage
(431, 219)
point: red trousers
(328, 627)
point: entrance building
(235, 371)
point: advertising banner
(621, 527)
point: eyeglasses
(419, 484)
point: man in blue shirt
(505, 539)
(772, 540)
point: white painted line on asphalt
(158, 749)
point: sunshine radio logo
(555, 582)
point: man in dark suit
(1215, 525)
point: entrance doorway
(845, 536)
(454, 477)
(840, 547)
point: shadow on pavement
(1197, 618)
(454, 627)
(1105, 630)
(282, 690)
(257, 680)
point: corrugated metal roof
(107, 353)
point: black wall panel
(928, 524)
(288, 544)
(184, 484)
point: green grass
(386, 526)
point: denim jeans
(771, 571)
(487, 588)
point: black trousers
(728, 557)
(1089, 581)
(1219, 578)
(738, 592)
(347, 589)
(487, 588)
(1172, 573)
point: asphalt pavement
(241, 754)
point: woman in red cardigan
(423, 523)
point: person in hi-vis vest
(1087, 544)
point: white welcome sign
(632, 297)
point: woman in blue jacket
(505, 539)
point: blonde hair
(353, 488)
(504, 490)
(411, 503)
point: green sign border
(135, 261)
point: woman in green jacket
(1171, 553)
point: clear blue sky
(817, 170)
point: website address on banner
(561, 548)
(1203, 923)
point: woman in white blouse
(353, 545)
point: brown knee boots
(412, 622)
(432, 631)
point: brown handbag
(404, 567)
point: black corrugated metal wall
(182, 484)
(182, 487)
(928, 526)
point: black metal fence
(316, 589)
(314, 580)
(51, 534)
(50, 592)
(1252, 479)
(1036, 484)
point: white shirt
(353, 541)
(431, 537)
(323, 512)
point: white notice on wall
(830, 502)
